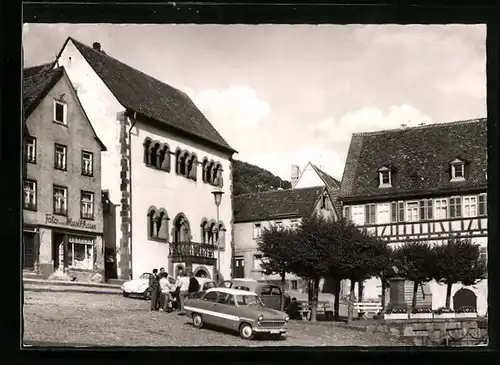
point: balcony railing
(192, 249)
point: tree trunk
(360, 291)
(314, 303)
(336, 292)
(350, 303)
(448, 294)
(283, 291)
(382, 298)
(414, 299)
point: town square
(254, 185)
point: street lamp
(217, 198)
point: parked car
(269, 293)
(238, 310)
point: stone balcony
(194, 252)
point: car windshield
(209, 284)
(249, 300)
(145, 276)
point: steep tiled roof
(150, 97)
(329, 181)
(276, 204)
(334, 196)
(419, 158)
(36, 87)
(30, 71)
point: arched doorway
(201, 274)
(464, 298)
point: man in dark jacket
(154, 284)
(194, 285)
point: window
(87, 163)
(211, 297)
(278, 224)
(30, 150)
(81, 253)
(470, 206)
(441, 209)
(483, 253)
(370, 213)
(87, 205)
(275, 290)
(294, 223)
(358, 214)
(347, 213)
(426, 209)
(60, 157)
(482, 205)
(401, 208)
(383, 213)
(257, 262)
(266, 290)
(323, 201)
(29, 201)
(257, 230)
(295, 285)
(384, 177)
(412, 211)
(60, 110)
(457, 170)
(455, 207)
(394, 212)
(60, 200)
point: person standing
(183, 285)
(154, 284)
(194, 285)
(166, 287)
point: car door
(226, 311)
(271, 296)
(207, 306)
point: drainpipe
(130, 184)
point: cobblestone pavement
(112, 320)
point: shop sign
(69, 222)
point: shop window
(81, 254)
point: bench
(323, 307)
(367, 307)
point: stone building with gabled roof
(62, 211)
(423, 183)
(286, 208)
(163, 162)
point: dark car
(269, 293)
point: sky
(290, 94)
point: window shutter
(372, 213)
(347, 212)
(401, 211)
(422, 210)
(429, 209)
(394, 212)
(367, 213)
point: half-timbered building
(423, 183)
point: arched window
(177, 160)
(165, 158)
(204, 166)
(146, 144)
(154, 154)
(211, 233)
(152, 232)
(192, 167)
(208, 172)
(204, 231)
(181, 231)
(183, 163)
(215, 172)
(162, 225)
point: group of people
(164, 289)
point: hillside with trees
(248, 178)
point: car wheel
(246, 331)
(126, 295)
(197, 320)
(147, 294)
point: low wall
(437, 332)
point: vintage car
(269, 293)
(237, 310)
(140, 287)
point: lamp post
(217, 198)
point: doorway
(28, 251)
(57, 240)
(239, 270)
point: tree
(387, 273)
(276, 245)
(458, 261)
(309, 254)
(415, 260)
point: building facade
(286, 208)
(62, 212)
(163, 162)
(426, 183)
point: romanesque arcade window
(212, 172)
(186, 164)
(213, 234)
(157, 224)
(156, 155)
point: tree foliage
(458, 261)
(248, 178)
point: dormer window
(457, 170)
(384, 177)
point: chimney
(96, 46)
(295, 174)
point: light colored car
(238, 310)
(140, 287)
